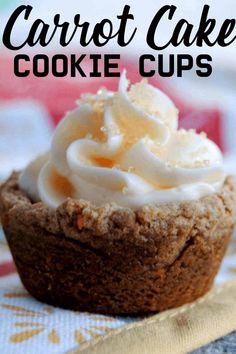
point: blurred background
(31, 107)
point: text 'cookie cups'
(114, 260)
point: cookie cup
(115, 260)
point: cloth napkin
(31, 108)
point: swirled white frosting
(126, 148)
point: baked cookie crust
(115, 260)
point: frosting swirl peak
(126, 148)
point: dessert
(126, 214)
